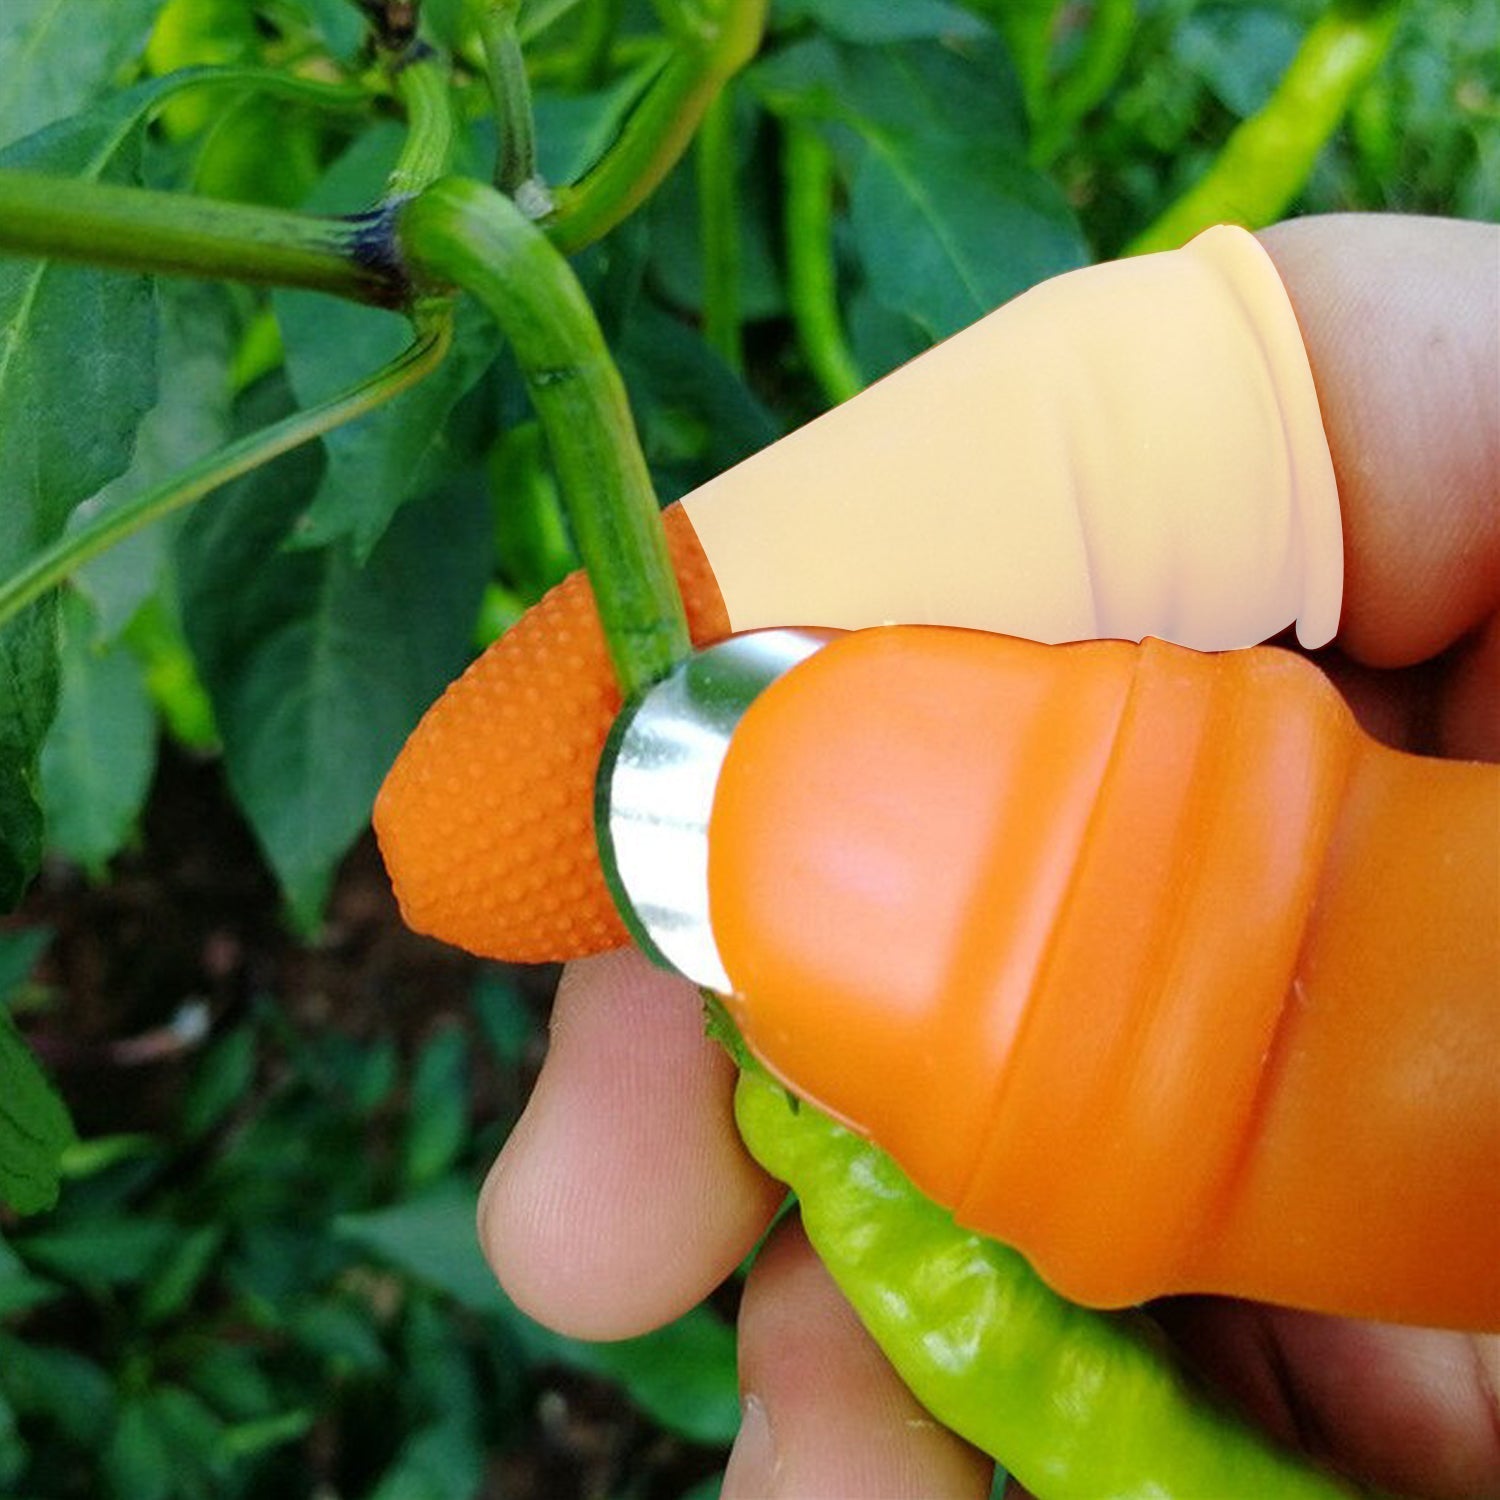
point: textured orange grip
(486, 820)
(1147, 962)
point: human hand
(624, 1196)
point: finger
(1468, 723)
(623, 1196)
(1401, 317)
(826, 1417)
(1408, 1410)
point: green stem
(422, 87)
(719, 217)
(590, 59)
(1105, 49)
(1027, 26)
(138, 229)
(515, 163)
(812, 276)
(74, 548)
(462, 233)
(659, 128)
(1269, 157)
(538, 15)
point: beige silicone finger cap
(1128, 450)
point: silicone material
(1131, 449)
(1148, 963)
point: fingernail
(752, 1464)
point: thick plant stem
(510, 89)
(660, 127)
(1268, 159)
(718, 208)
(137, 229)
(812, 281)
(74, 548)
(462, 233)
(422, 87)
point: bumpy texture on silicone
(1131, 449)
(1148, 963)
(486, 820)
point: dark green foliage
(299, 1257)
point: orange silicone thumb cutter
(1131, 449)
(1149, 963)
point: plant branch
(139, 229)
(510, 89)
(812, 279)
(422, 86)
(462, 233)
(1105, 48)
(113, 524)
(718, 209)
(660, 127)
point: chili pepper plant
(331, 335)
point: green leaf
(221, 1080)
(881, 338)
(173, 1286)
(919, 88)
(682, 1375)
(34, 1127)
(317, 668)
(398, 451)
(250, 1439)
(676, 224)
(137, 1464)
(438, 1122)
(194, 1439)
(503, 1017)
(230, 1378)
(859, 21)
(19, 1289)
(441, 1378)
(442, 1462)
(28, 701)
(51, 65)
(340, 1333)
(948, 231)
(574, 130)
(12, 1447)
(949, 218)
(100, 1252)
(58, 1386)
(431, 1237)
(20, 948)
(191, 418)
(340, 24)
(77, 373)
(100, 752)
(1239, 53)
(696, 416)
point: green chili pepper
(1072, 1402)
(1266, 162)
